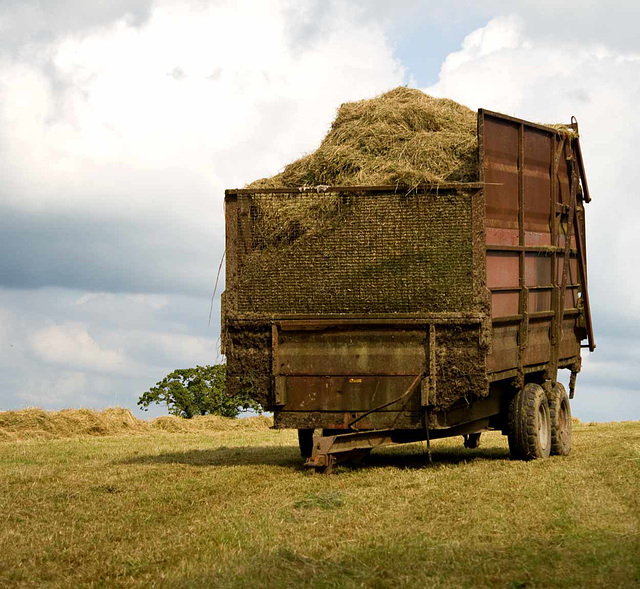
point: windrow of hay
(202, 423)
(36, 423)
(404, 137)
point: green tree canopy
(197, 391)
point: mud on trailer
(385, 314)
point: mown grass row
(34, 423)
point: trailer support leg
(426, 427)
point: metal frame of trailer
(373, 378)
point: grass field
(235, 508)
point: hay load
(403, 137)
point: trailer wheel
(529, 431)
(305, 441)
(560, 414)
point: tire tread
(556, 395)
(522, 427)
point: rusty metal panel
(537, 269)
(342, 419)
(528, 217)
(563, 172)
(356, 351)
(502, 269)
(348, 393)
(538, 349)
(573, 276)
(571, 297)
(501, 236)
(537, 186)
(569, 346)
(504, 348)
(500, 141)
(505, 303)
(540, 300)
(351, 368)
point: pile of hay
(203, 423)
(403, 137)
(39, 424)
(36, 423)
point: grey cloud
(35, 21)
(177, 73)
(82, 248)
(90, 252)
(215, 74)
(307, 22)
(595, 403)
(579, 95)
(607, 388)
(613, 23)
(148, 330)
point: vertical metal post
(432, 385)
(426, 421)
(524, 292)
(573, 195)
(572, 383)
(552, 367)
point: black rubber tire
(472, 441)
(529, 431)
(560, 415)
(305, 441)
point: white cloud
(59, 387)
(109, 126)
(501, 33)
(152, 301)
(173, 349)
(112, 168)
(120, 351)
(71, 345)
(69, 349)
(501, 67)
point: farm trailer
(383, 314)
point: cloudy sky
(123, 121)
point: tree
(197, 391)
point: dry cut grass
(235, 508)
(37, 423)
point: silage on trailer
(403, 137)
(369, 252)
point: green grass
(236, 508)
